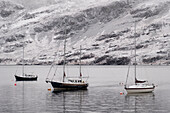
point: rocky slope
(104, 28)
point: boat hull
(22, 78)
(68, 86)
(139, 90)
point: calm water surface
(102, 96)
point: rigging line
(52, 64)
(16, 71)
(49, 71)
(129, 65)
(128, 68)
(50, 68)
(55, 72)
(87, 78)
(127, 74)
(87, 68)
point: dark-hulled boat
(69, 83)
(26, 77)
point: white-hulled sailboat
(68, 83)
(140, 86)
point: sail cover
(139, 81)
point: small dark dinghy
(26, 77)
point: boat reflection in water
(77, 92)
(140, 103)
(73, 101)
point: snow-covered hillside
(104, 28)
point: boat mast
(80, 63)
(64, 63)
(135, 52)
(23, 60)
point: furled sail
(139, 81)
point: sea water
(103, 94)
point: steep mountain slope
(104, 28)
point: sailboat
(140, 86)
(24, 76)
(69, 83)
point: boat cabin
(75, 80)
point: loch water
(102, 96)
